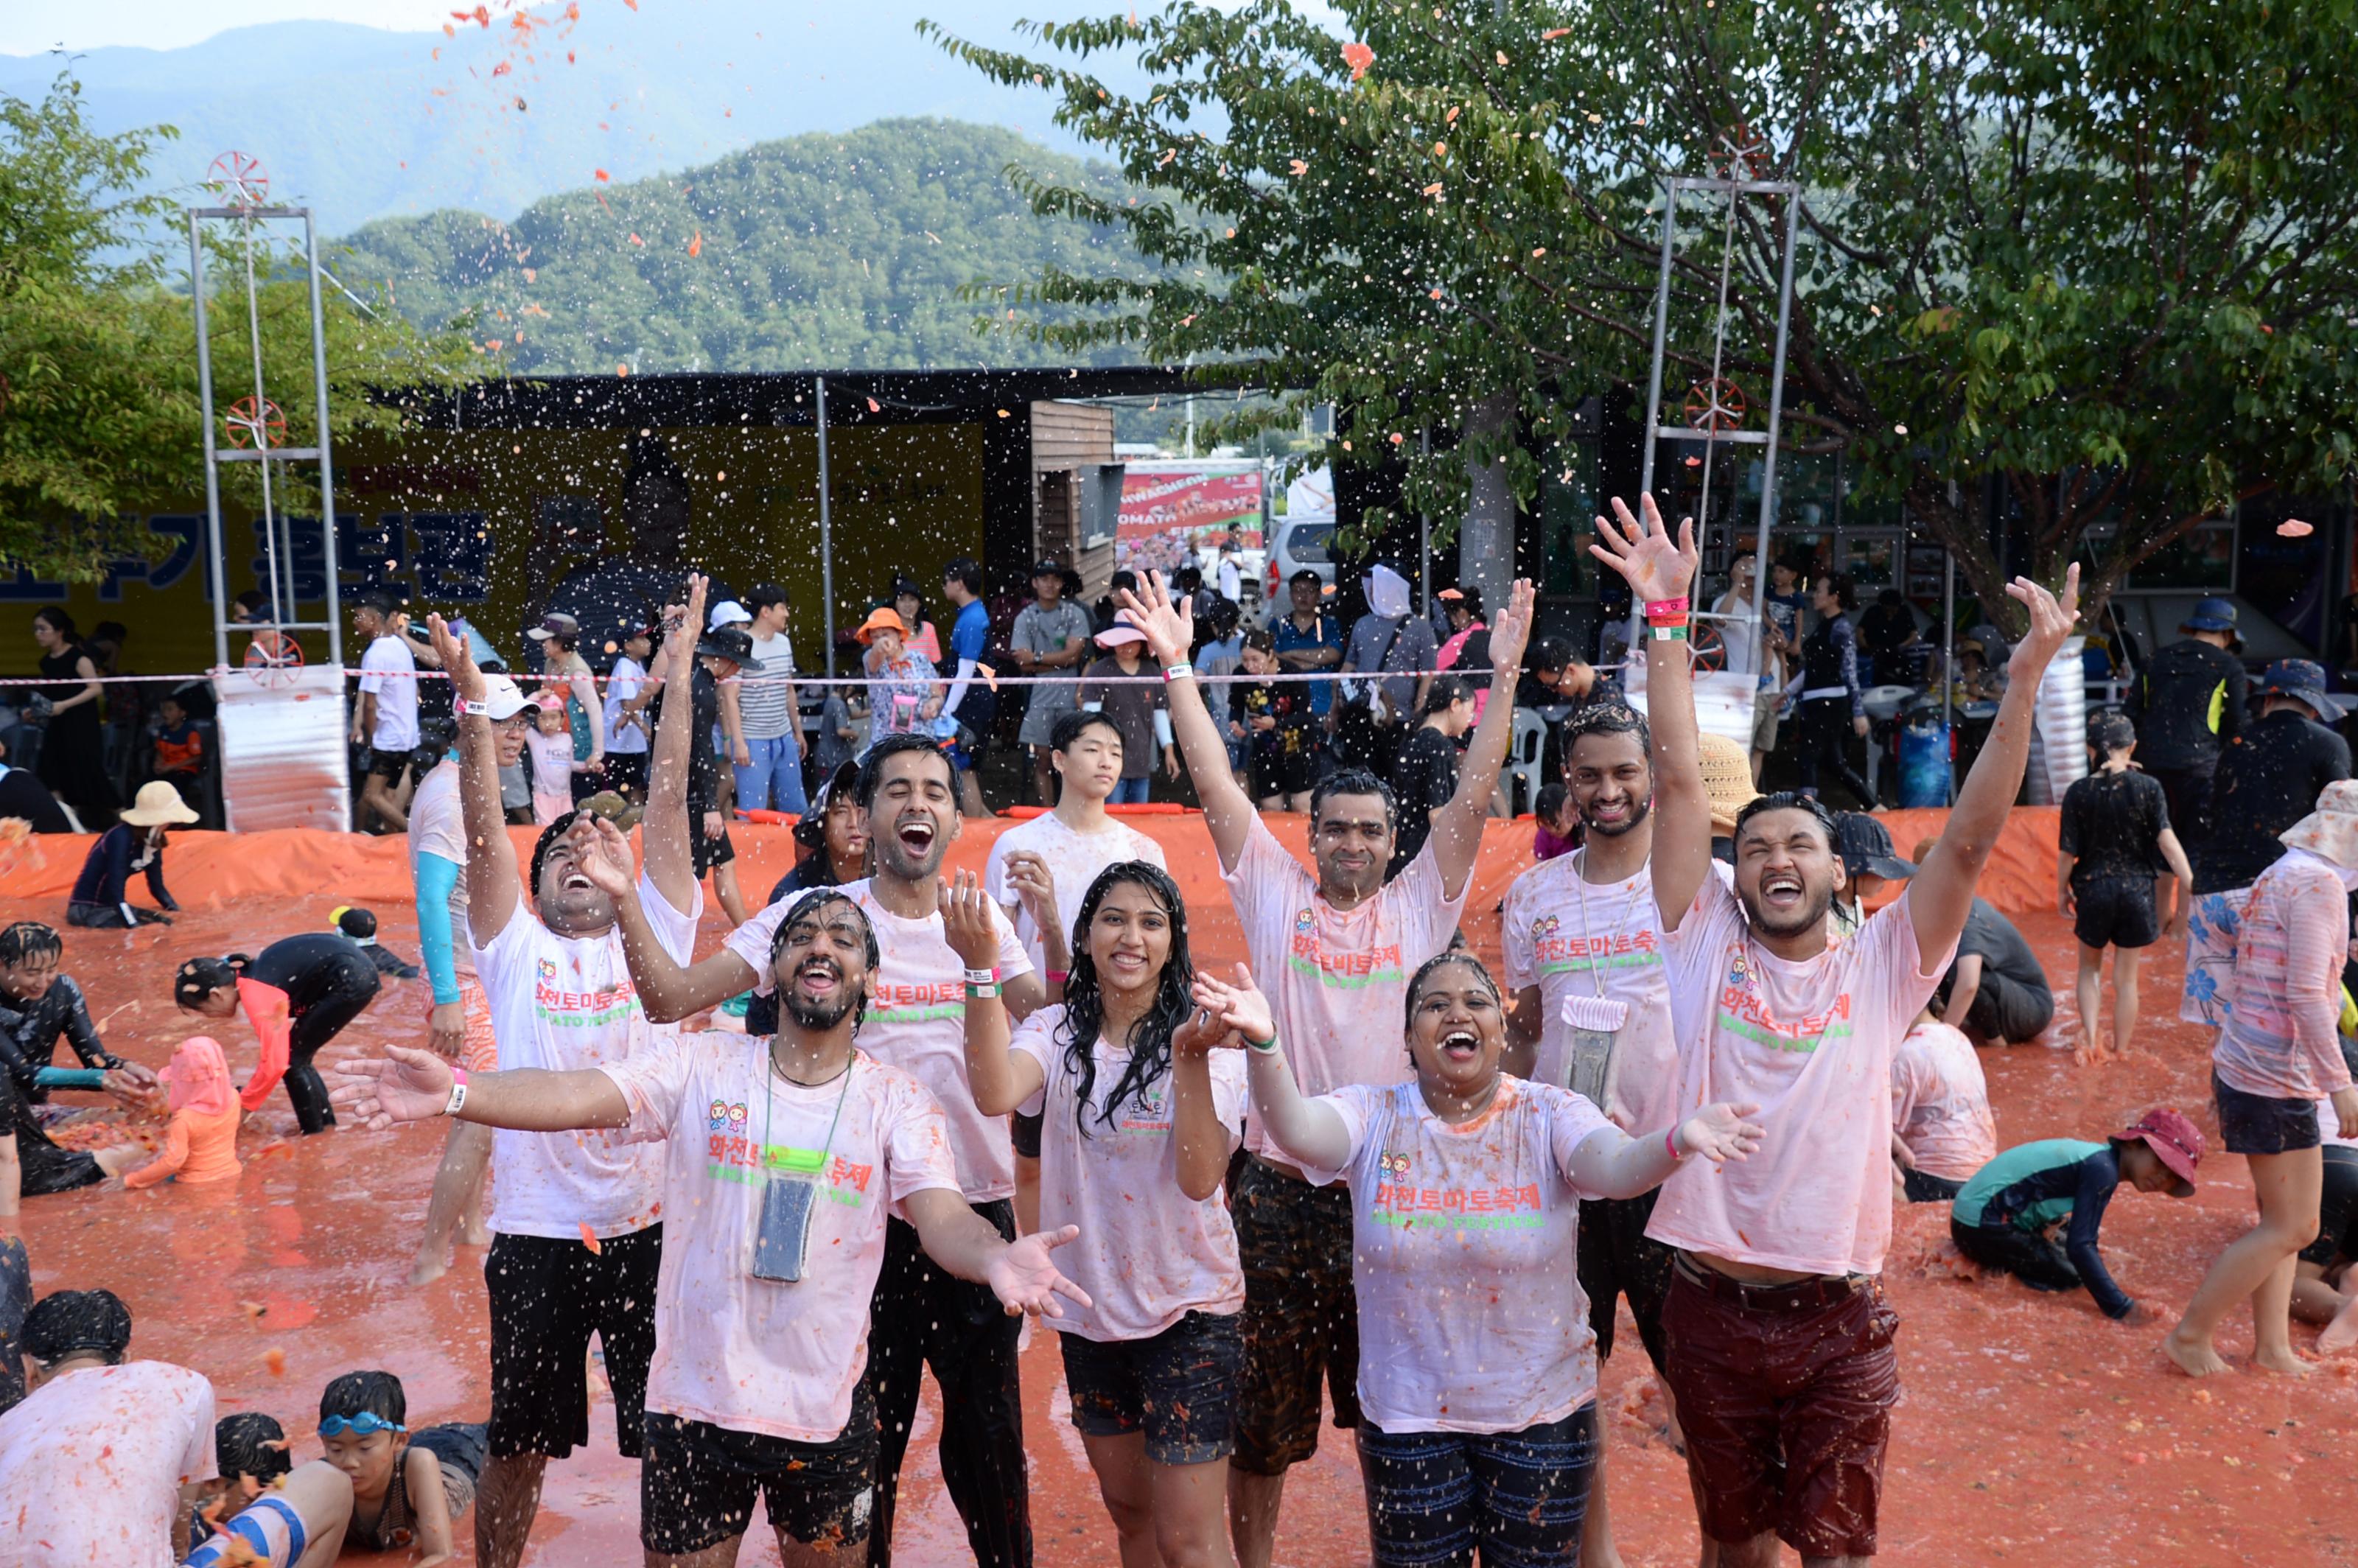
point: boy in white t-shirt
(559, 992)
(625, 715)
(385, 717)
(782, 1161)
(1777, 1336)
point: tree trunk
(1957, 531)
(1486, 542)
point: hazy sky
(171, 24)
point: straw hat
(1726, 778)
(882, 619)
(158, 803)
(2330, 831)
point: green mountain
(817, 252)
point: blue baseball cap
(2211, 615)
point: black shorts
(547, 1297)
(697, 1485)
(2337, 1209)
(1617, 1257)
(1301, 1317)
(1923, 1187)
(707, 854)
(1275, 771)
(2004, 1008)
(2262, 1124)
(1178, 1387)
(1023, 1131)
(2115, 911)
(389, 765)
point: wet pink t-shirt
(1576, 938)
(1939, 1102)
(1337, 981)
(1074, 861)
(916, 1021)
(91, 1463)
(2279, 1039)
(1465, 1245)
(766, 1355)
(1810, 1043)
(1148, 1254)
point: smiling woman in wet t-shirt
(1477, 1368)
(1138, 1117)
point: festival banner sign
(1172, 512)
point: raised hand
(605, 852)
(1169, 624)
(966, 921)
(681, 636)
(1025, 1279)
(1644, 554)
(403, 1084)
(1510, 630)
(1029, 879)
(2050, 623)
(1720, 1132)
(458, 661)
(1240, 1007)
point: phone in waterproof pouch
(782, 1241)
(1591, 1066)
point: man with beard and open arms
(561, 1000)
(781, 1160)
(1334, 953)
(923, 1313)
(1583, 952)
(1777, 1336)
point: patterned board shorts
(2211, 929)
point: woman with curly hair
(1139, 1119)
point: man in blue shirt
(971, 705)
(1308, 638)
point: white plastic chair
(1523, 759)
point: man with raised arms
(923, 1314)
(1334, 954)
(560, 997)
(1583, 954)
(1778, 1338)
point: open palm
(1642, 551)
(1169, 624)
(1026, 1280)
(1720, 1132)
(2050, 623)
(404, 1085)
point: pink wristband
(1671, 1142)
(1667, 606)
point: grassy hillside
(812, 253)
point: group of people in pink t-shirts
(1359, 1174)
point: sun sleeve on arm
(436, 879)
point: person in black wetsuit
(2269, 777)
(298, 994)
(39, 1005)
(135, 843)
(2004, 1216)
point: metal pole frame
(826, 535)
(218, 546)
(1736, 190)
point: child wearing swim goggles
(408, 1488)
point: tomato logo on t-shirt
(546, 968)
(1544, 926)
(1393, 1163)
(1307, 920)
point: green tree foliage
(2097, 254)
(817, 251)
(99, 399)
